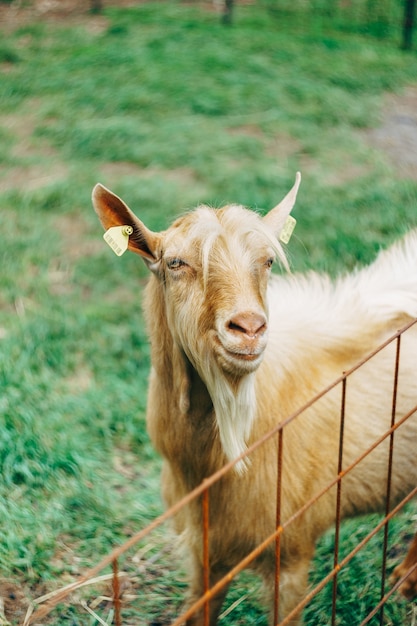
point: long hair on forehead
(203, 228)
(209, 224)
(252, 231)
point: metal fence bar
(261, 547)
(264, 545)
(44, 610)
(117, 603)
(360, 458)
(387, 596)
(339, 496)
(389, 474)
(203, 492)
(206, 554)
(278, 526)
(348, 558)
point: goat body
(235, 351)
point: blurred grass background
(169, 108)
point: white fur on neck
(235, 412)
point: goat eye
(175, 263)
(269, 262)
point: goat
(235, 350)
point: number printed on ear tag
(288, 229)
(118, 238)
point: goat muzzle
(241, 340)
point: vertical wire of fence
(339, 497)
(202, 493)
(278, 525)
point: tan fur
(235, 351)
(409, 587)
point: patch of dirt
(29, 176)
(112, 172)
(18, 13)
(32, 177)
(284, 145)
(13, 602)
(76, 244)
(397, 134)
(22, 127)
(249, 130)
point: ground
(396, 135)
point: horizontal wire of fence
(41, 607)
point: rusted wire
(324, 581)
(389, 474)
(262, 546)
(278, 526)
(203, 491)
(339, 496)
(206, 555)
(116, 594)
(231, 574)
(387, 596)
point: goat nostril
(251, 324)
(233, 326)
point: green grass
(169, 109)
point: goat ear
(112, 211)
(277, 217)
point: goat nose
(248, 323)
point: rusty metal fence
(116, 593)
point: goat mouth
(243, 356)
(240, 363)
(235, 360)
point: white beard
(235, 411)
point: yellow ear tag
(288, 229)
(118, 238)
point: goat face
(215, 274)
(213, 267)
